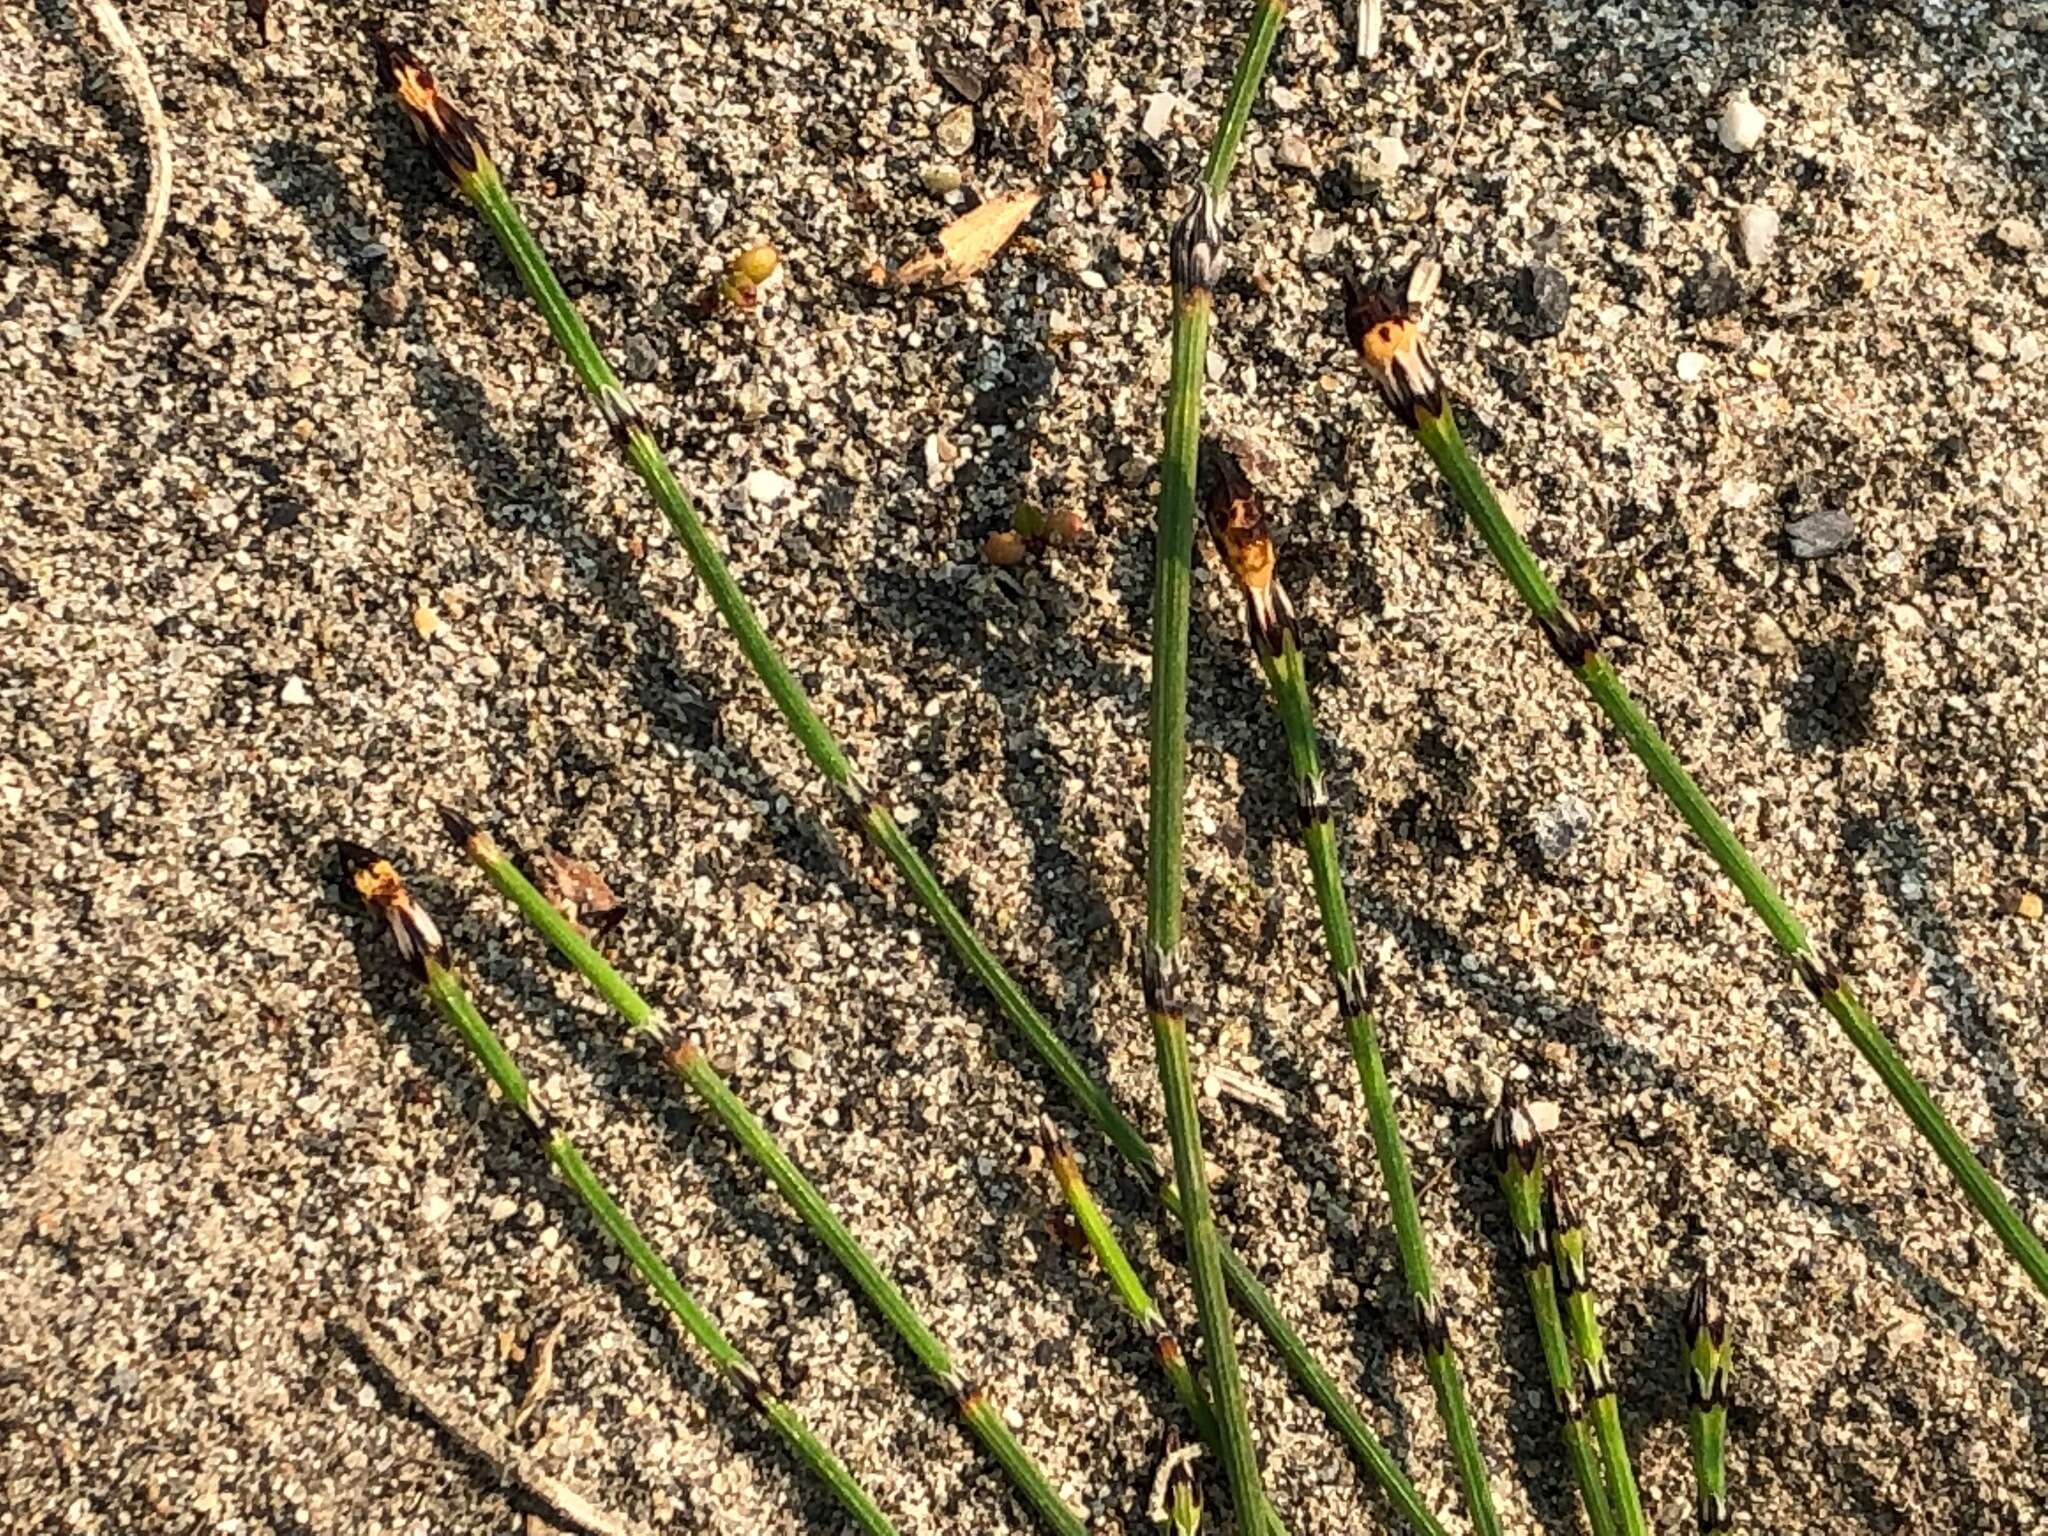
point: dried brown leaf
(970, 242)
(576, 891)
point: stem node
(1196, 249)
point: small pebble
(1820, 534)
(1541, 298)
(765, 487)
(956, 131)
(1756, 229)
(2021, 903)
(1158, 114)
(940, 180)
(1295, 153)
(1986, 342)
(1560, 826)
(1691, 366)
(1741, 125)
(1767, 637)
(2018, 236)
(1710, 292)
(1472, 1085)
(425, 622)
(295, 692)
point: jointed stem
(686, 1059)
(1391, 342)
(1574, 1284)
(1123, 1279)
(1238, 522)
(1518, 1160)
(1197, 262)
(453, 142)
(420, 942)
(1706, 1361)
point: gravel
(225, 1119)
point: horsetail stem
(431, 113)
(1518, 1162)
(685, 1058)
(1123, 1279)
(1706, 1395)
(419, 942)
(1238, 524)
(1196, 250)
(1574, 1284)
(1389, 337)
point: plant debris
(969, 243)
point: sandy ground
(225, 1119)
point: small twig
(512, 1465)
(134, 71)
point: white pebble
(766, 486)
(1159, 114)
(2018, 236)
(295, 692)
(1692, 366)
(956, 131)
(1742, 124)
(1756, 229)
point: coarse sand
(318, 534)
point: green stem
(1196, 249)
(1123, 1279)
(686, 1059)
(420, 941)
(1574, 1284)
(1438, 431)
(1707, 1351)
(1518, 1160)
(1287, 676)
(875, 822)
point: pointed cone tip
(460, 829)
(1564, 1210)
(356, 859)
(1703, 1306)
(1514, 1128)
